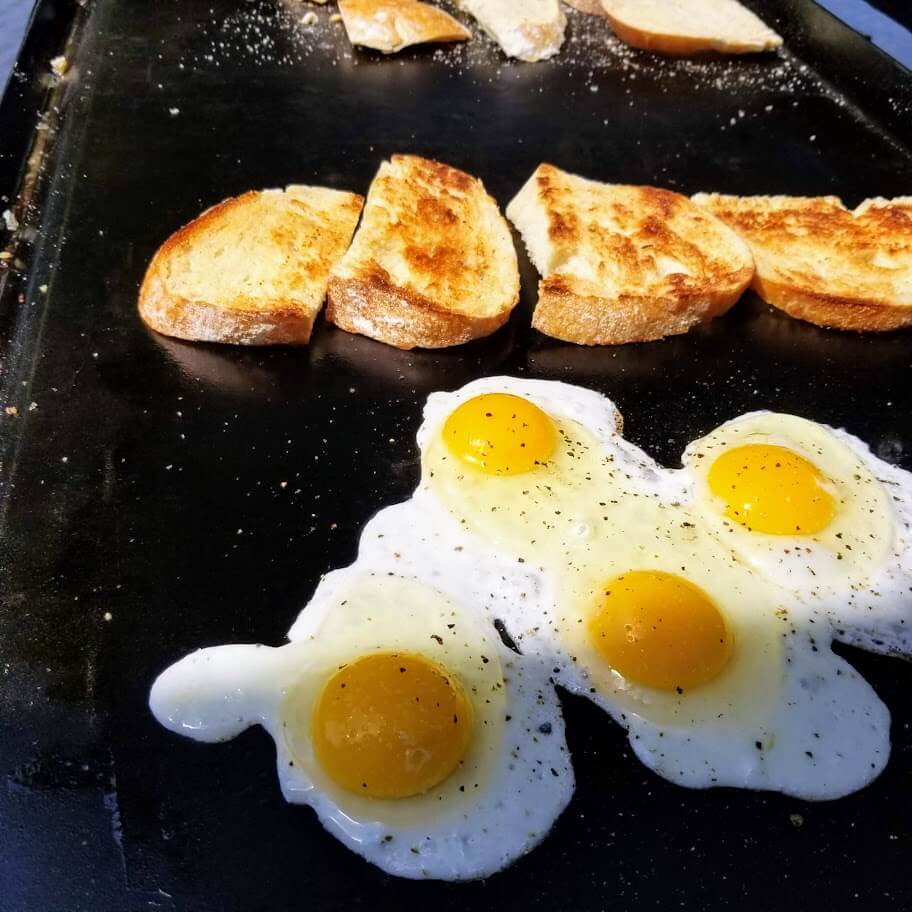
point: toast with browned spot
(432, 263)
(391, 25)
(622, 263)
(821, 262)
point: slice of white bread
(251, 270)
(432, 264)
(823, 263)
(529, 30)
(624, 264)
(689, 26)
(391, 25)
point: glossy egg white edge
(884, 622)
(213, 694)
(821, 734)
(533, 780)
(827, 736)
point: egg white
(517, 777)
(620, 511)
(531, 552)
(857, 572)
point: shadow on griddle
(782, 336)
(423, 369)
(234, 369)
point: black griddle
(142, 511)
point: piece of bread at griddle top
(690, 26)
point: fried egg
(696, 606)
(717, 671)
(817, 513)
(399, 716)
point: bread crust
(624, 263)
(818, 261)
(199, 321)
(372, 306)
(662, 39)
(432, 264)
(676, 45)
(276, 321)
(590, 320)
(833, 311)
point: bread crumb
(335, 17)
(33, 407)
(174, 111)
(12, 223)
(283, 484)
(59, 65)
(5, 255)
(310, 18)
(43, 289)
(108, 616)
(12, 411)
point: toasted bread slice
(820, 262)
(624, 264)
(689, 26)
(251, 270)
(529, 30)
(432, 264)
(391, 25)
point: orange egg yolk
(500, 434)
(391, 725)
(771, 489)
(660, 630)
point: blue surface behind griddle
(13, 20)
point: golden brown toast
(391, 25)
(823, 263)
(432, 263)
(689, 26)
(251, 270)
(624, 264)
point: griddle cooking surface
(143, 513)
